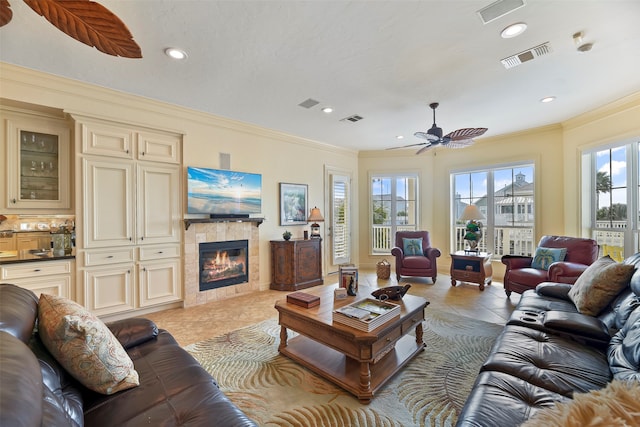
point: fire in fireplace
(223, 264)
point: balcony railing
(508, 240)
(383, 241)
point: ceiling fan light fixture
(513, 30)
(175, 53)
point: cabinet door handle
(142, 153)
(13, 201)
(131, 239)
(110, 256)
(144, 268)
(160, 252)
(128, 271)
(127, 151)
(142, 238)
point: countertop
(32, 255)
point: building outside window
(394, 207)
(505, 195)
(610, 181)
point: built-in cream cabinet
(131, 191)
(37, 162)
(49, 277)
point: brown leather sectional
(174, 389)
(548, 351)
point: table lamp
(473, 231)
(315, 216)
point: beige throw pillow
(84, 346)
(599, 285)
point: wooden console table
(474, 267)
(296, 264)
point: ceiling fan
(457, 139)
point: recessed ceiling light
(175, 53)
(327, 110)
(547, 99)
(513, 30)
(399, 137)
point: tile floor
(213, 319)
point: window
(394, 207)
(609, 177)
(505, 196)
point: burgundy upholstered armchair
(520, 275)
(414, 258)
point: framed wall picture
(293, 204)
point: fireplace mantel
(189, 221)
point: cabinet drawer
(469, 275)
(35, 269)
(159, 252)
(386, 340)
(110, 256)
(411, 322)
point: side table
(296, 264)
(474, 267)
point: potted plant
(286, 235)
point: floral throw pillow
(412, 246)
(544, 257)
(84, 346)
(599, 284)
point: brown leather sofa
(423, 265)
(174, 389)
(548, 351)
(519, 276)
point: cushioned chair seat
(416, 262)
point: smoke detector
(527, 55)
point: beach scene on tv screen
(220, 192)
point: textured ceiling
(255, 61)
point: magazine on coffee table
(367, 314)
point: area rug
(275, 391)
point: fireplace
(223, 264)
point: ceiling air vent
(308, 103)
(527, 55)
(354, 118)
(498, 9)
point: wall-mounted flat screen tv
(223, 192)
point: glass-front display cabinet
(38, 158)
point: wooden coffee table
(360, 362)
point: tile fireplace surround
(218, 232)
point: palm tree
(603, 182)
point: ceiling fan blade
(460, 143)
(406, 146)
(424, 135)
(423, 149)
(465, 133)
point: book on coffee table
(303, 299)
(367, 314)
